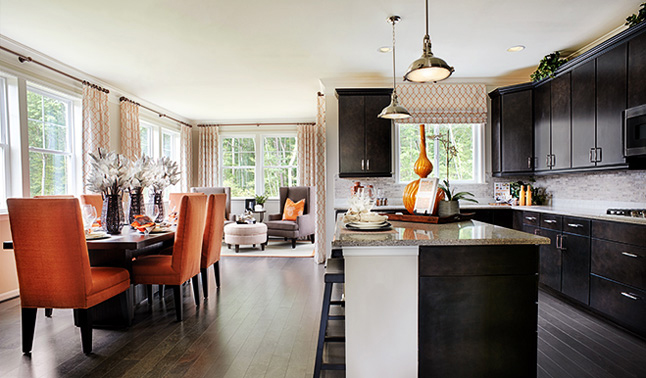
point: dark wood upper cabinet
(560, 132)
(584, 133)
(512, 131)
(365, 141)
(542, 126)
(611, 103)
(637, 71)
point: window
(50, 133)
(257, 164)
(157, 141)
(4, 143)
(466, 167)
(170, 145)
(239, 165)
(146, 139)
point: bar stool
(334, 273)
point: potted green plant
(260, 201)
(450, 205)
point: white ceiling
(263, 60)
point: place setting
(359, 216)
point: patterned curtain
(96, 125)
(311, 171)
(130, 134)
(208, 155)
(186, 157)
(444, 103)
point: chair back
(56, 196)
(217, 190)
(296, 193)
(51, 253)
(187, 249)
(174, 198)
(95, 200)
(213, 230)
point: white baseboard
(9, 295)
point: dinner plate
(378, 227)
(96, 236)
(160, 230)
(369, 224)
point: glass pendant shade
(394, 110)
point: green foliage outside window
(238, 166)
(462, 137)
(48, 130)
(279, 164)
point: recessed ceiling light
(516, 48)
(385, 49)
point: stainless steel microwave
(635, 131)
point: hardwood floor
(263, 322)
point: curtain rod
(28, 59)
(161, 115)
(257, 124)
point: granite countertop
(410, 234)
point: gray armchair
(217, 190)
(304, 226)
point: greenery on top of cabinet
(547, 66)
(636, 19)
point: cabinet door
(495, 134)
(550, 261)
(611, 102)
(517, 132)
(637, 71)
(351, 134)
(575, 269)
(561, 122)
(583, 115)
(378, 137)
(542, 126)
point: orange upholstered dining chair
(53, 264)
(95, 200)
(212, 243)
(184, 263)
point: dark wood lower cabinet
(624, 304)
(478, 318)
(550, 261)
(575, 267)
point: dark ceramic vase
(136, 204)
(112, 214)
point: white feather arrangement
(109, 174)
(165, 173)
(141, 172)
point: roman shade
(444, 103)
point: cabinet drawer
(551, 221)
(626, 305)
(628, 233)
(619, 262)
(577, 226)
(531, 218)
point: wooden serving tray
(429, 218)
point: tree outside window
(279, 168)
(50, 151)
(464, 167)
(239, 165)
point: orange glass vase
(423, 167)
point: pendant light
(394, 110)
(428, 67)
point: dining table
(119, 251)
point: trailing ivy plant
(547, 66)
(636, 19)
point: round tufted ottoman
(245, 234)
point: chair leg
(85, 322)
(161, 291)
(293, 243)
(327, 294)
(312, 237)
(195, 281)
(149, 295)
(205, 282)
(179, 302)
(48, 312)
(237, 248)
(28, 323)
(216, 270)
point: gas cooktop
(636, 213)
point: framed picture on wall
(249, 204)
(426, 194)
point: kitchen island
(455, 299)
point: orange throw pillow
(293, 210)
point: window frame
(5, 145)
(71, 153)
(259, 168)
(478, 137)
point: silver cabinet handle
(575, 225)
(549, 221)
(530, 218)
(537, 232)
(631, 296)
(553, 160)
(591, 153)
(599, 157)
(629, 255)
(529, 162)
(362, 165)
(547, 161)
(368, 165)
